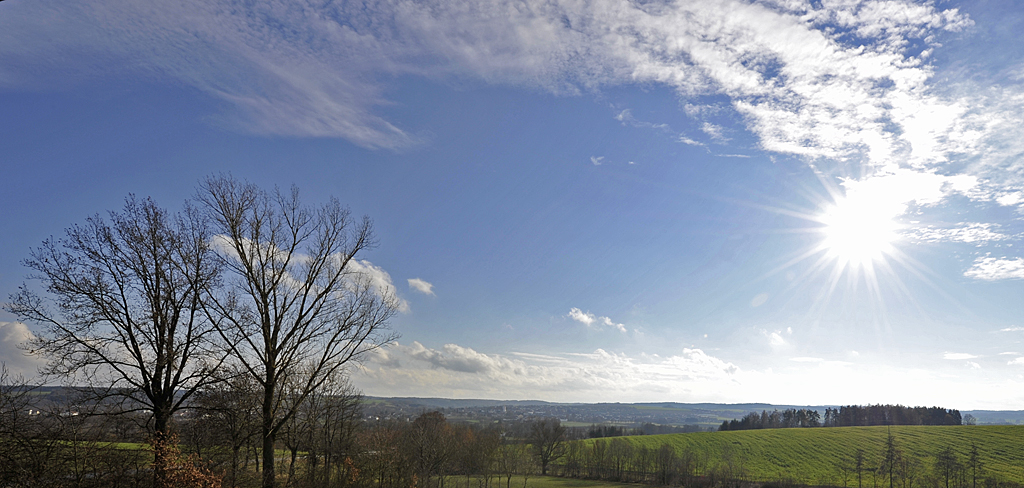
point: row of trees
(854, 415)
(897, 468)
(774, 420)
(154, 306)
(846, 416)
(70, 443)
(326, 444)
(598, 431)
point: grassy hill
(815, 455)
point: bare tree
(974, 464)
(296, 307)
(547, 439)
(947, 465)
(229, 412)
(511, 459)
(430, 445)
(891, 459)
(122, 307)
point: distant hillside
(817, 456)
(709, 415)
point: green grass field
(814, 456)
(553, 482)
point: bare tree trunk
(268, 457)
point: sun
(858, 230)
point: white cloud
(969, 232)
(581, 316)
(774, 338)
(958, 356)
(380, 280)
(1016, 362)
(589, 319)
(356, 271)
(691, 375)
(889, 193)
(994, 269)
(1009, 199)
(607, 321)
(12, 336)
(596, 160)
(421, 286)
(686, 140)
(1012, 329)
(457, 371)
(627, 118)
(715, 131)
(830, 79)
(457, 358)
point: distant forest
(846, 416)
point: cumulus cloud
(421, 286)
(455, 370)
(457, 358)
(994, 269)
(689, 375)
(582, 317)
(589, 319)
(1016, 362)
(775, 338)
(380, 280)
(15, 359)
(358, 272)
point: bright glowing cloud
(969, 232)
(958, 356)
(993, 269)
(774, 338)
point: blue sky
(780, 201)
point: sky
(578, 201)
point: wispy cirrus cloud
(967, 232)
(835, 80)
(421, 286)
